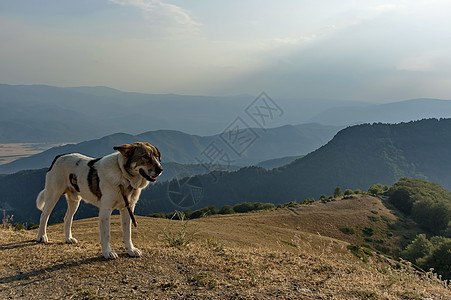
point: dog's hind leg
(50, 199)
(73, 201)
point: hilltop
(296, 252)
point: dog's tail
(40, 200)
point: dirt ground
(264, 255)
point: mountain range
(356, 158)
(38, 113)
(183, 148)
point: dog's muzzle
(158, 170)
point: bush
(243, 207)
(378, 189)
(347, 230)
(308, 201)
(247, 207)
(368, 231)
(157, 215)
(348, 192)
(203, 212)
(226, 209)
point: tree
(440, 260)
(418, 248)
(433, 216)
(427, 203)
(338, 192)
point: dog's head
(141, 159)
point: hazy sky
(356, 50)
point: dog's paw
(71, 240)
(42, 239)
(110, 254)
(134, 252)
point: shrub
(243, 207)
(348, 192)
(378, 189)
(176, 237)
(368, 231)
(157, 215)
(347, 230)
(226, 209)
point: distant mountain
(38, 113)
(396, 112)
(184, 148)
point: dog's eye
(147, 157)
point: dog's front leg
(104, 224)
(127, 233)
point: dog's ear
(124, 149)
(158, 153)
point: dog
(112, 182)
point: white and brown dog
(111, 182)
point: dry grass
(252, 256)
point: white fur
(111, 173)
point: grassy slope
(288, 253)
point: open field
(11, 152)
(263, 255)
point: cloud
(171, 17)
(386, 7)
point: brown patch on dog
(55, 159)
(73, 181)
(93, 179)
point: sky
(373, 51)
